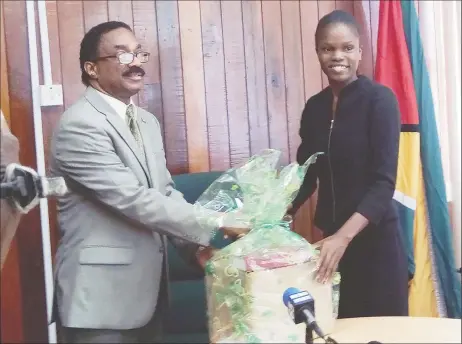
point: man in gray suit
(110, 261)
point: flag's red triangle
(393, 67)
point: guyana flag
(434, 287)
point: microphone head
(289, 291)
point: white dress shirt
(119, 107)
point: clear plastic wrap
(245, 280)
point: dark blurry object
(24, 187)
(21, 187)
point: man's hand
(331, 251)
(233, 225)
(234, 232)
(204, 254)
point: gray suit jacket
(109, 262)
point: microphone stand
(308, 335)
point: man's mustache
(135, 70)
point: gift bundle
(245, 280)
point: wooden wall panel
(10, 282)
(145, 27)
(94, 12)
(343, 5)
(71, 30)
(194, 88)
(172, 86)
(363, 13)
(120, 11)
(275, 78)
(236, 90)
(256, 75)
(325, 7)
(5, 98)
(311, 68)
(215, 85)
(226, 79)
(31, 290)
(293, 68)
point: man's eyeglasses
(127, 57)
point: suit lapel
(119, 125)
(148, 149)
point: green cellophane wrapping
(246, 279)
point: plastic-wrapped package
(245, 280)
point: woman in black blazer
(356, 123)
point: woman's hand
(331, 251)
(289, 207)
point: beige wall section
(5, 101)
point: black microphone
(300, 305)
(301, 309)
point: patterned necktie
(133, 125)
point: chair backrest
(186, 311)
(191, 185)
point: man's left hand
(204, 254)
(234, 233)
(331, 251)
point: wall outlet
(51, 95)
